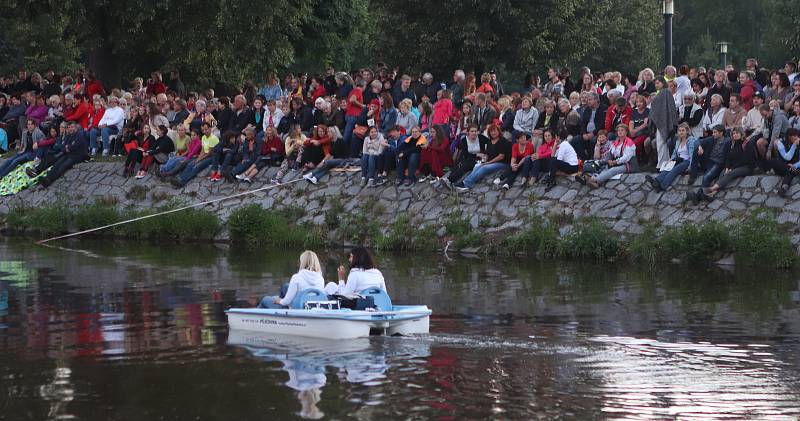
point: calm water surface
(123, 331)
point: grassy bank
(59, 218)
(756, 241)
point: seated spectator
(540, 161)
(468, 152)
(135, 149)
(521, 163)
(563, 161)
(26, 148)
(435, 155)
(682, 157)
(158, 152)
(37, 109)
(739, 163)
(547, 120)
(408, 157)
(710, 157)
(593, 119)
(94, 121)
(569, 121)
(692, 114)
(714, 115)
(496, 159)
(223, 157)
(442, 111)
(794, 117)
(208, 142)
(74, 150)
(370, 154)
(640, 128)
(182, 156)
(388, 114)
(734, 115)
(110, 124)
(388, 159)
(623, 158)
(293, 145)
(406, 119)
(272, 154)
(316, 148)
(619, 113)
(244, 154)
(786, 163)
(526, 118)
(775, 126)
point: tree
(703, 52)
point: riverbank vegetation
(756, 241)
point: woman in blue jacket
(682, 156)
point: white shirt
(566, 153)
(276, 119)
(304, 279)
(113, 116)
(709, 121)
(359, 280)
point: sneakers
(105, 152)
(247, 180)
(581, 179)
(380, 181)
(215, 176)
(93, 152)
(241, 177)
(371, 183)
(140, 174)
(461, 188)
(275, 181)
(653, 182)
(363, 181)
(497, 181)
(310, 178)
(506, 186)
(423, 178)
(782, 190)
(692, 197)
(435, 180)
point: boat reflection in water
(358, 361)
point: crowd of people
(713, 124)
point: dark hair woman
(363, 273)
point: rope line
(128, 221)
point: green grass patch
(253, 225)
(696, 243)
(590, 239)
(459, 229)
(537, 236)
(759, 241)
(405, 235)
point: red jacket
(611, 114)
(272, 142)
(80, 114)
(156, 88)
(97, 115)
(95, 87)
(746, 93)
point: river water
(125, 331)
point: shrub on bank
(759, 241)
(404, 235)
(589, 239)
(538, 236)
(254, 225)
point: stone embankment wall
(624, 204)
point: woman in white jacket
(714, 115)
(308, 276)
(363, 273)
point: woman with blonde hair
(308, 276)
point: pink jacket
(36, 113)
(442, 110)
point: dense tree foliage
(226, 41)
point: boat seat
(310, 294)
(379, 296)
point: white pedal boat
(299, 320)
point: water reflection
(127, 331)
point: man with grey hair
(569, 121)
(458, 87)
(429, 88)
(593, 119)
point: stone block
(568, 196)
(757, 199)
(736, 205)
(775, 202)
(653, 198)
(749, 182)
(633, 179)
(720, 215)
(733, 195)
(556, 192)
(634, 198)
(768, 183)
(673, 197)
(787, 217)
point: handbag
(360, 131)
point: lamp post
(723, 54)
(668, 9)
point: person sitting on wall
(564, 161)
(469, 150)
(739, 163)
(623, 159)
(682, 157)
(203, 159)
(74, 149)
(710, 157)
(521, 163)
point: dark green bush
(95, 215)
(759, 241)
(696, 243)
(48, 219)
(459, 229)
(591, 239)
(645, 247)
(254, 225)
(538, 236)
(404, 235)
